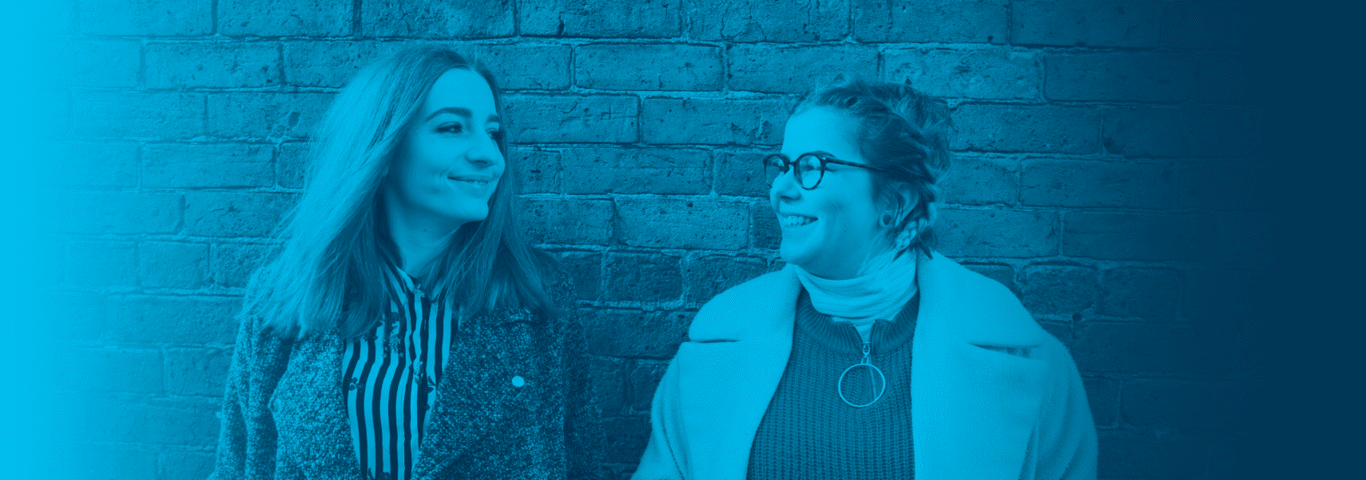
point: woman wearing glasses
(405, 328)
(869, 355)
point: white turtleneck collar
(881, 288)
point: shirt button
(518, 381)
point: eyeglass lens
(808, 172)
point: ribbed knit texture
(808, 432)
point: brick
(764, 229)
(137, 115)
(1059, 289)
(1060, 330)
(951, 21)
(186, 462)
(189, 65)
(795, 69)
(1104, 347)
(111, 370)
(231, 214)
(571, 119)
(981, 180)
(708, 276)
(207, 165)
(576, 221)
(181, 421)
(645, 170)
(741, 173)
(1027, 128)
(652, 67)
(1095, 23)
(291, 165)
(712, 121)
(1149, 454)
(146, 17)
(81, 314)
(104, 462)
(1152, 294)
(436, 19)
(284, 18)
(1206, 24)
(83, 164)
(995, 74)
(197, 371)
(173, 264)
(1102, 394)
(175, 320)
(262, 114)
(626, 438)
(107, 63)
(609, 383)
(231, 265)
(100, 263)
(1201, 407)
(1224, 186)
(1243, 239)
(326, 63)
(1002, 274)
(1225, 294)
(644, 378)
(1137, 236)
(1084, 183)
(614, 18)
(768, 20)
(1168, 132)
(635, 333)
(586, 270)
(116, 212)
(997, 233)
(1137, 77)
(680, 223)
(538, 170)
(1225, 80)
(644, 278)
(526, 67)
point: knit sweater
(809, 432)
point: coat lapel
(730, 368)
(975, 401)
(311, 408)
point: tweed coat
(284, 418)
(993, 395)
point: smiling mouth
(794, 220)
(475, 182)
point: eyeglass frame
(824, 158)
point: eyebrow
(464, 112)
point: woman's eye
(451, 128)
(496, 134)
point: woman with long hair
(869, 355)
(405, 328)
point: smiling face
(448, 164)
(829, 231)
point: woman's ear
(897, 205)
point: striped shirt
(391, 378)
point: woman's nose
(486, 154)
(785, 185)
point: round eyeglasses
(811, 168)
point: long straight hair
(328, 273)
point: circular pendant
(876, 379)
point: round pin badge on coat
(518, 381)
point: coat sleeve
(246, 437)
(584, 442)
(664, 455)
(1067, 431)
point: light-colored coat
(993, 394)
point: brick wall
(1108, 172)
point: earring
(887, 219)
